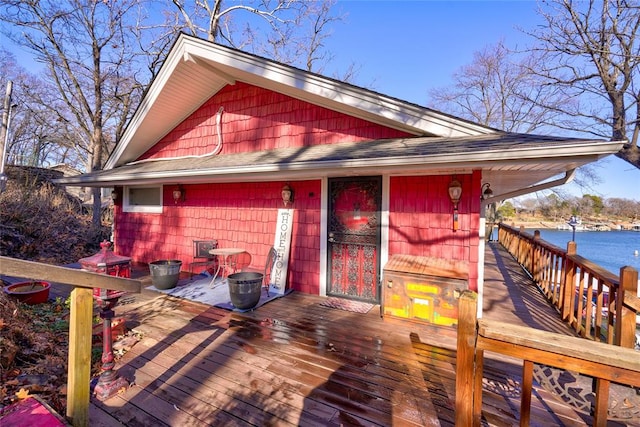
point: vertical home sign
(282, 244)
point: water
(609, 249)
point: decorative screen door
(353, 247)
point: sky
(405, 48)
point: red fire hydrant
(107, 262)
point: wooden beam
(568, 283)
(632, 302)
(71, 276)
(465, 356)
(601, 405)
(625, 332)
(79, 369)
(525, 396)
(596, 359)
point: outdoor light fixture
(486, 190)
(114, 195)
(455, 191)
(573, 223)
(287, 195)
(178, 194)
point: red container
(32, 292)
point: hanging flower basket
(31, 293)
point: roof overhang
(508, 161)
(195, 70)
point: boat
(573, 224)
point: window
(142, 199)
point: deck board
(295, 362)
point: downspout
(568, 177)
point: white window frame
(128, 207)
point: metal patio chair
(270, 263)
(201, 255)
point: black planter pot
(245, 289)
(165, 273)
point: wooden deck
(295, 362)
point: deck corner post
(79, 369)
(625, 328)
(568, 283)
(465, 360)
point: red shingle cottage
(371, 176)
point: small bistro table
(226, 260)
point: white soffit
(170, 99)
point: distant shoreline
(555, 225)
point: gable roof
(196, 69)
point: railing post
(625, 332)
(568, 283)
(519, 256)
(79, 369)
(465, 360)
(535, 263)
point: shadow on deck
(295, 362)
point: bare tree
(590, 51)
(617, 207)
(89, 58)
(35, 138)
(498, 90)
(288, 31)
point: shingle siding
(257, 119)
(244, 214)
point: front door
(353, 248)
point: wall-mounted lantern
(455, 191)
(287, 195)
(486, 191)
(114, 195)
(179, 194)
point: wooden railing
(598, 304)
(603, 362)
(80, 322)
